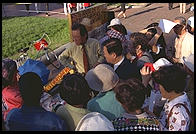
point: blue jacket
(34, 119)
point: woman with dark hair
(75, 91)
(175, 115)
(156, 41)
(141, 49)
(131, 94)
(11, 97)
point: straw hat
(102, 78)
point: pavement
(137, 17)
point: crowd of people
(141, 81)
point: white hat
(94, 121)
(166, 25)
(102, 78)
(114, 21)
(161, 62)
(191, 21)
(189, 62)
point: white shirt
(118, 63)
(179, 120)
(186, 48)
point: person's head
(180, 28)
(102, 78)
(9, 72)
(79, 34)
(154, 24)
(171, 80)
(120, 28)
(140, 42)
(180, 20)
(75, 90)
(131, 94)
(112, 50)
(150, 33)
(31, 88)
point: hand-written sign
(97, 14)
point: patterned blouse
(179, 120)
(142, 122)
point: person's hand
(146, 75)
(145, 71)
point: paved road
(137, 18)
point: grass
(18, 32)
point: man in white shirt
(184, 43)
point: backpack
(37, 67)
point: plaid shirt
(116, 34)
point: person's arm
(146, 75)
(154, 40)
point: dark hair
(178, 28)
(139, 39)
(31, 88)
(152, 25)
(74, 89)
(130, 93)
(9, 69)
(181, 19)
(113, 45)
(120, 28)
(172, 78)
(81, 27)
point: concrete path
(137, 18)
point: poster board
(98, 15)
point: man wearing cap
(113, 53)
(84, 51)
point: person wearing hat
(103, 79)
(85, 52)
(11, 97)
(117, 30)
(131, 95)
(94, 121)
(113, 53)
(74, 90)
(190, 25)
(31, 116)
